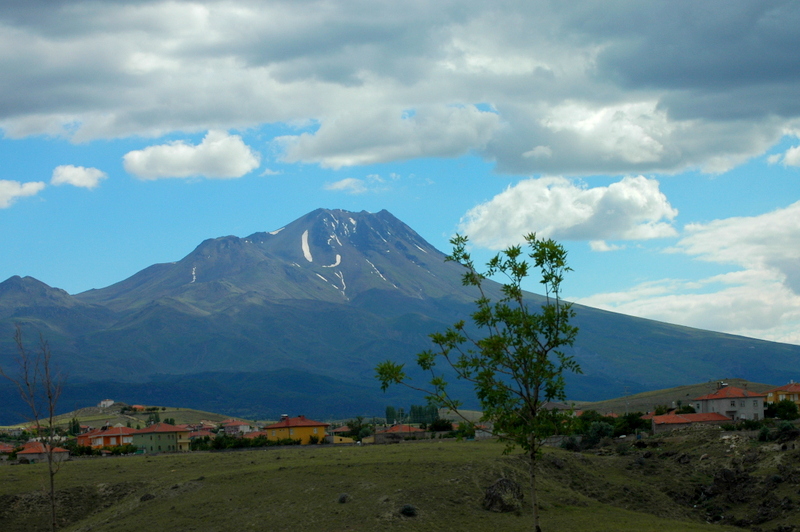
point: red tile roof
(37, 447)
(6, 448)
(675, 419)
(234, 423)
(299, 421)
(400, 428)
(792, 387)
(729, 392)
(160, 427)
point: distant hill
(294, 320)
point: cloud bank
(760, 298)
(537, 87)
(555, 207)
(219, 155)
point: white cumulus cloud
(363, 136)
(554, 207)
(78, 176)
(219, 155)
(11, 190)
(761, 299)
(351, 185)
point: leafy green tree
(597, 431)
(660, 410)
(786, 409)
(359, 428)
(391, 414)
(517, 365)
(440, 425)
(74, 427)
(630, 423)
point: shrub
(598, 431)
(571, 444)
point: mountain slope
(329, 296)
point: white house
(730, 401)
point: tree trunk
(534, 500)
(52, 469)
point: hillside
(679, 483)
(295, 319)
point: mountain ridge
(332, 294)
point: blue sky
(660, 142)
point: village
(728, 407)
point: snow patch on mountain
(335, 264)
(343, 289)
(379, 273)
(306, 249)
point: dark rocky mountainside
(322, 300)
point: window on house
(273, 433)
(755, 403)
(291, 432)
(781, 397)
(315, 430)
(755, 417)
(741, 403)
(733, 403)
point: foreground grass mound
(412, 486)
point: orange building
(789, 391)
(106, 437)
(296, 428)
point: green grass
(298, 488)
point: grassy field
(300, 488)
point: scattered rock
(147, 497)
(503, 496)
(344, 497)
(408, 510)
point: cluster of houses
(727, 404)
(165, 437)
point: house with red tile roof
(235, 427)
(202, 433)
(732, 402)
(296, 428)
(36, 451)
(397, 433)
(6, 449)
(106, 437)
(162, 438)
(789, 391)
(674, 421)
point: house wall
(296, 433)
(159, 442)
(734, 408)
(782, 395)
